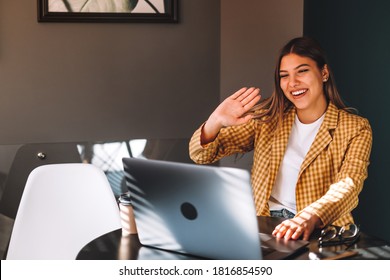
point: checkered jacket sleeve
(343, 164)
(231, 140)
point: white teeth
(298, 92)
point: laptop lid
(200, 210)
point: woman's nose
(293, 81)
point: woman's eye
(283, 76)
(303, 70)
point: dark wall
(356, 37)
(105, 81)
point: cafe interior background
(141, 89)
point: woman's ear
(325, 73)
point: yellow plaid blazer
(331, 175)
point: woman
(311, 153)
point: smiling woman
(310, 152)
(302, 83)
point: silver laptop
(200, 210)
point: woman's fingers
(238, 93)
(289, 229)
(247, 97)
(302, 224)
(232, 111)
(245, 94)
(251, 100)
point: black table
(115, 246)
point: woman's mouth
(298, 92)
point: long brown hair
(274, 107)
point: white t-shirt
(301, 138)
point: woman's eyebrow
(302, 65)
(299, 66)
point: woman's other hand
(302, 224)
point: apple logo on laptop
(189, 211)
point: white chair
(63, 207)
(28, 157)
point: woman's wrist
(210, 131)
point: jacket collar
(321, 141)
(323, 137)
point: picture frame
(144, 11)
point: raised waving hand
(232, 111)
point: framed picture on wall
(107, 11)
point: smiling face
(302, 83)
